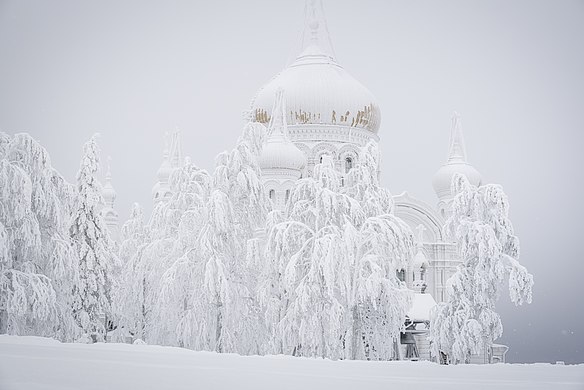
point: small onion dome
(456, 163)
(281, 155)
(420, 260)
(442, 180)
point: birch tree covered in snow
(129, 306)
(188, 285)
(37, 267)
(236, 206)
(93, 247)
(331, 287)
(467, 323)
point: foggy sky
(133, 70)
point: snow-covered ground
(40, 363)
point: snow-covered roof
(422, 305)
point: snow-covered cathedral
(315, 109)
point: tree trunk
(3, 322)
(355, 336)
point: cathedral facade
(327, 112)
(317, 110)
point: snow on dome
(456, 164)
(318, 89)
(421, 307)
(281, 156)
(278, 151)
(443, 178)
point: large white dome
(319, 91)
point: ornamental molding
(336, 133)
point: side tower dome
(328, 111)
(171, 160)
(281, 161)
(456, 163)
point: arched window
(348, 164)
(287, 195)
(272, 194)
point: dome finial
(108, 172)
(313, 21)
(175, 149)
(457, 150)
(316, 33)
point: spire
(315, 37)
(165, 168)
(108, 173)
(161, 189)
(109, 196)
(457, 150)
(108, 192)
(175, 150)
(278, 127)
(456, 164)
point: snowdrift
(39, 363)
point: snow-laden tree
(467, 322)
(188, 285)
(171, 276)
(330, 287)
(133, 234)
(94, 248)
(221, 309)
(37, 267)
(128, 304)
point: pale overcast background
(132, 70)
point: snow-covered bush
(467, 322)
